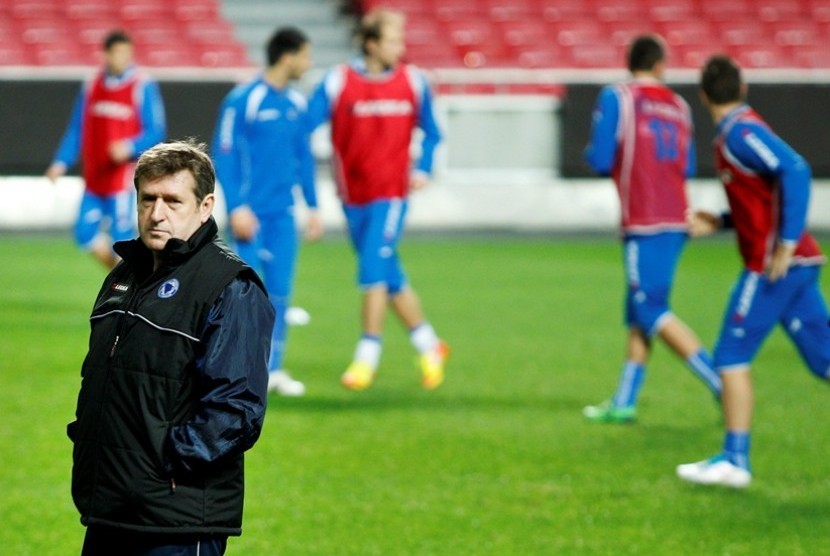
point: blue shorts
(272, 253)
(375, 230)
(757, 305)
(650, 262)
(113, 214)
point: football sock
(368, 350)
(736, 448)
(701, 365)
(423, 338)
(631, 380)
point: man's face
(300, 62)
(119, 57)
(389, 49)
(167, 208)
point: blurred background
(515, 83)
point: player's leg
(87, 232)
(754, 308)
(621, 408)
(432, 352)
(364, 234)
(806, 322)
(659, 258)
(278, 257)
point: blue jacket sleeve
(428, 123)
(601, 150)
(762, 151)
(70, 146)
(691, 159)
(230, 151)
(306, 164)
(153, 119)
(319, 108)
(232, 380)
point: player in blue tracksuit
(261, 149)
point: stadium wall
(509, 161)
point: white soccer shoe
(715, 471)
(282, 383)
(297, 316)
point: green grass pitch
(498, 461)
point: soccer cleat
(359, 376)
(717, 470)
(608, 413)
(432, 366)
(283, 384)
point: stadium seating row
(166, 32)
(593, 33)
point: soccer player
(261, 149)
(117, 115)
(767, 185)
(642, 137)
(374, 104)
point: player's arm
(307, 179)
(152, 126)
(428, 123)
(760, 150)
(70, 146)
(232, 381)
(231, 156)
(691, 158)
(601, 150)
(153, 119)
(321, 99)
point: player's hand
(779, 264)
(120, 151)
(244, 223)
(703, 223)
(418, 180)
(55, 171)
(314, 226)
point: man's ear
(206, 208)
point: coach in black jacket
(174, 385)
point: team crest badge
(168, 289)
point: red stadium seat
(597, 55)
(564, 10)
(144, 10)
(154, 32)
(760, 56)
(621, 11)
(24, 9)
(543, 58)
(196, 10)
(531, 32)
(90, 9)
(812, 57)
(577, 32)
(670, 10)
(15, 54)
(779, 10)
(727, 10)
(166, 56)
(688, 32)
(434, 56)
(795, 33)
(64, 55)
(818, 10)
(223, 55)
(45, 31)
(510, 10)
(213, 32)
(741, 31)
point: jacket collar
(174, 253)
